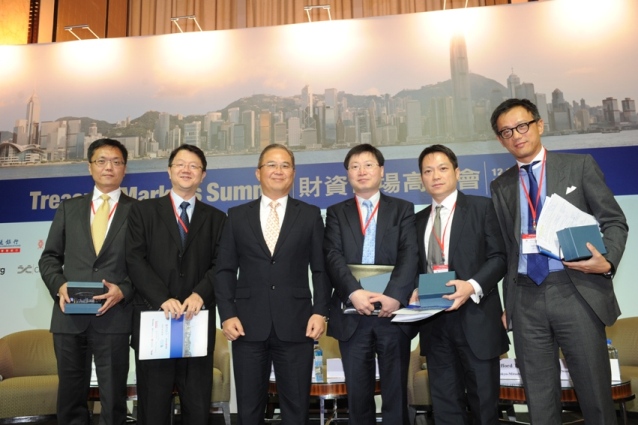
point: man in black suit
(371, 228)
(268, 310)
(76, 252)
(552, 304)
(463, 344)
(171, 248)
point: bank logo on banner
(9, 246)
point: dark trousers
(376, 337)
(458, 379)
(293, 368)
(156, 379)
(111, 355)
(552, 316)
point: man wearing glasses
(81, 249)
(268, 310)
(171, 248)
(552, 305)
(376, 229)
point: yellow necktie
(100, 223)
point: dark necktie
(183, 230)
(537, 264)
(435, 256)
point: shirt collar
(374, 199)
(114, 195)
(447, 203)
(539, 157)
(265, 201)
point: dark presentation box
(81, 295)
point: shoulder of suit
(391, 199)
(298, 203)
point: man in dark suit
(75, 251)
(268, 310)
(371, 228)
(463, 344)
(552, 304)
(171, 248)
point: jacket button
(272, 261)
(272, 287)
(181, 275)
(95, 269)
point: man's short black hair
(510, 104)
(191, 148)
(438, 148)
(359, 149)
(107, 142)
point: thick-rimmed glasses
(103, 161)
(522, 128)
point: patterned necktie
(537, 264)
(435, 256)
(183, 232)
(100, 223)
(272, 227)
(370, 236)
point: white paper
(162, 338)
(558, 214)
(406, 315)
(335, 371)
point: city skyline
(211, 79)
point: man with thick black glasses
(552, 304)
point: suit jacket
(476, 252)
(272, 290)
(395, 244)
(158, 265)
(591, 195)
(69, 255)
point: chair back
(27, 353)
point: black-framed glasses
(115, 162)
(182, 165)
(522, 128)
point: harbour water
(219, 162)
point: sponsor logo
(9, 246)
(28, 269)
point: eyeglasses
(272, 166)
(368, 166)
(522, 128)
(102, 162)
(191, 166)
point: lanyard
(374, 211)
(179, 219)
(534, 208)
(110, 213)
(441, 241)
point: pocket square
(570, 189)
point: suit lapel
(198, 220)
(383, 214)
(510, 195)
(119, 218)
(167, 214)
(292, 213)
(458, 222)
(86, 221)
(555, 175)
(420, 232)
(254, 221)
(354, 222)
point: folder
(162, 338)
(371, 277)
(432, 288)
(573, 242)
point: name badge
(440, 268)
(528, 243)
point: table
(326, 391)
(512, 392)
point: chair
(221, 376)
(624, 336)
(29, 376)
(419, 398)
